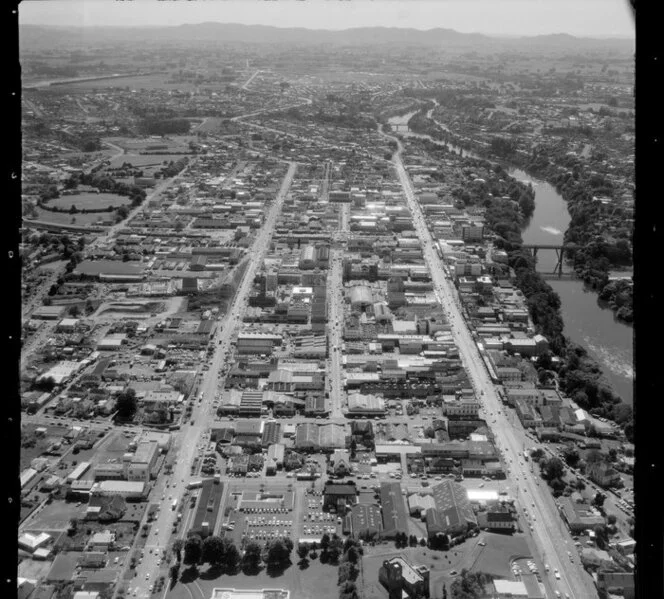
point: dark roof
(395, 516)
(340, 489)
(366, 518)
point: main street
(549, 533)
(336, 318)
(191, 438)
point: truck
(174, 505)
(194, 484)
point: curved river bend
(607, 340)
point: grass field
(90, 201)
(317, 580)
(139, 160)
(140, 82)
(64, 218)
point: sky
(582, 18)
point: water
(587, 323)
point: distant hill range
(37, 36)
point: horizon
(429, 29)
(604, 19)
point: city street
(553, 540)
(189, 442)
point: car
(556, 574)
(453, 572)
(482, 544)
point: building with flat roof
(127, 489)
(403, 580)
(250, 594)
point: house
(403, 580)
(603, 474)
(579, 516)
(617, 583)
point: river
(592, 326)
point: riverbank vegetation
(579, 376)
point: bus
(194, 484)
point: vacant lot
(90, 201)
(57, 515)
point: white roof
(482, 495)
(33, 541)
(510, 587)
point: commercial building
(454, 514)
(395, 515)
(128, 489)
(403, 580)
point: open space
(90, 201)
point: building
(336, 496)
(142, 463)
(127, 489)
(603, 474)
(395, 515)
(455, 512)
(365, 405)
(617, 583)
(366, 521)
(31, 542)
(275, 458)
(578, 516)
(507, 589)
(403, 580)
(250, 594)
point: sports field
(90, 201)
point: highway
(549, 533)
(192, 439)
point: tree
(325, 542)
(276, 553)
(193, 550)
(353, 448)
(74, 311)
(552, 469)
(598, 500)
(175, 570)
(302, 551)
(231, 554)
(213, 550)
(252, 554)
(127, 404)
(352, 555)
(571, 456)
(612, 519)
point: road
(246, 85)
(335, 327)
(160, 187)
(552, 539)
(192, 439)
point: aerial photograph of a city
(327, 300)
